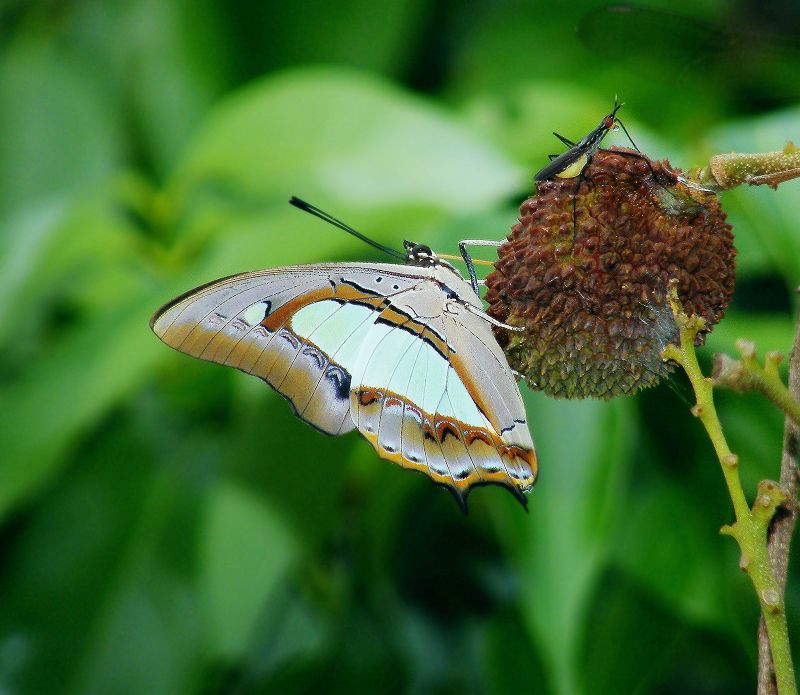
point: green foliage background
(169, 527)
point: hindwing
(390, 350)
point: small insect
(572, 162)
(403, 353)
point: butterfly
(402, 353)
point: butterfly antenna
(308, 207)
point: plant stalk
(782, 528)
(747, 374)
(726, 171)
(751, 525)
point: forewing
(433, 391)
(298, 328)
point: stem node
(771, 598)
(730, 460)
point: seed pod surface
(590, 285)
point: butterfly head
(420, 255)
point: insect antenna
(330, 219)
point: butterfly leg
(492, 320)
(462, 247)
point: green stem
(750, 527)
(748, 375)
(767, 380)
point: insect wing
(297, 328)
(433, 391)
(371, 347)
(562, 163)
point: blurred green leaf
(754, 429)
(506, 49)
(623, 621)
(768, 332)
(148, 644)
(634, 645)
(377, 146)
(291, 630)
(584, 452)
(660, 545)
(284, 32)
(244, 550)
(518, 674)
(60, 130)
(85, 255)
(94, 601)
(66, 390)
(301, 472)
(23, 238)
(175, 59)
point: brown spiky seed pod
(589, 285)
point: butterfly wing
(433, 391)
(369, 346)
(297, 328)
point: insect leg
(493, 321)
(625, 130)
(462, 247)
(581, 179)
(568, 143)
(639, 155)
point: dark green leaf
(563, 546)
(244, 551)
